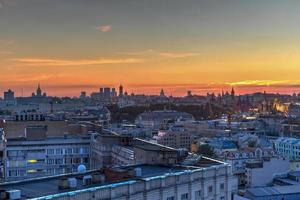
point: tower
(162, 93)
(38, 91)
(121, 91)
(232, 93)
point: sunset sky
(202, 45)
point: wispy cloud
(177, 55)
(63, 62)
(161, 54)
(5, 52)
(18, 78)
(7, 42)
(259, 82)
(104, 28)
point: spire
(39, 91)
(232, 92)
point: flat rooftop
(272, 191)
(40, 187)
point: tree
(206, 150)
(252, 143)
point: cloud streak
(177, 55)
(63, 62)
(104, 28)
(258, 82)
(18, 78)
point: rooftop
(48, 186)
(276, 190)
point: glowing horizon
(198, 45)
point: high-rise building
(162, 93)
(113, 92)
(121, 93)
(9, 95)
(107, 93)
(83, 95)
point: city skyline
(203, 46)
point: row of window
(198, 193)
(60, 161)
(62, 151)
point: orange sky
(204, 46)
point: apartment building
(202, 179)
(37, 155)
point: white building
(288, 147)
(213, 181)
(36, 157)
(261, 173)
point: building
(289, 178)
(37, 155)
(290, 127)
(121, 92)
(176, 137)
(107, 93)
(288, 147)
(39, 92)
(205, 179)
(155, 119)
(110, 149)
(82, 95)
(238, 159)
(9, 95)
(274, 193)
(294, 110)
(262, 172)
(113, 93)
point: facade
(9, 95)
(288, 147)
(156, 118)
(294, 110)
(290, 127)
(109, 149)
(35, 156)
(238, 159)
(140, 182)
(176, 137)
(261, 173)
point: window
(210, 189)
(185, 196)
(222, 198)
(222, 186)
(58, 161)
(69, 151)
(58, 151)
(85, 150)
(171, 198)
(198, 194)
(50, 151)
(50, 161)
(13, 173)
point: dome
(81, 168)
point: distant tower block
(232, 92)
(162, 93)
(121, 92)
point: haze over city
(203, 46)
